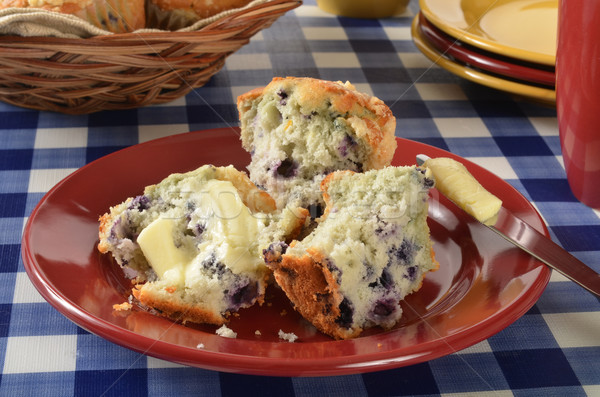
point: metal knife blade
(527, 238)
(539, 246)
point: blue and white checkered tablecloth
(553, 350)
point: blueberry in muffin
(298, 130)
(371, 249)
(193, 243)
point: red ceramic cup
(578, 96)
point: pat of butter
(158, 246)
(230, 225)
(456, 182)
(230, 232)
(228, 218)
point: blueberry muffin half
(177, 14)
(370, 249)
(298, 130)
(193, 243)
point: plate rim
(482, 42)
(276, 366)
(545, 95)
(485, 62)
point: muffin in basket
(176, 14)
(193, 243)
(117, 16)
(116, 71)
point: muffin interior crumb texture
(298, 130)
(370, 249)
(194, 243)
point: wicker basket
(122, 71)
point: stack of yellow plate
(508, 45)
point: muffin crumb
(226, 332)
(122, 307)
(288, 336)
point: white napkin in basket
(38, 22)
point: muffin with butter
(193, 243)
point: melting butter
(158, 245)
(231, 229)
(230, 234)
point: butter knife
(527, 238)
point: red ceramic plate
(488, 62)
(482, 286)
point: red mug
(578, 96)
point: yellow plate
(546, 96)
(522, 29)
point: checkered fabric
(553, 350)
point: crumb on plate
(121, 307)
(288, 336)
(226, 332)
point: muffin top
(370, 118)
